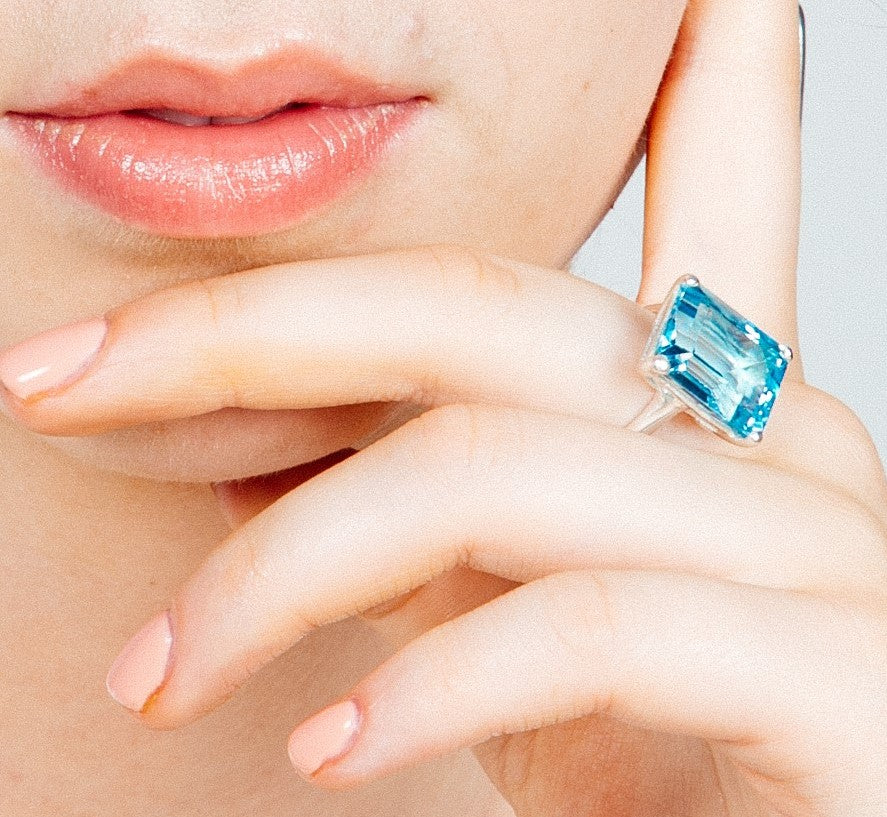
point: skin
(661, 639)
(475, 63)
(63, 261)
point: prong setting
(661, 364)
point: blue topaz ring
(704, 358)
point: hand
(671, 623)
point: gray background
(842, 275)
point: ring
(704, 358)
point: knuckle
(461, 457)
(222, 301)
(869, 532)
(248, 572)
(857, 631)
(827, 411)
(857, 563)
(835, 670)
(832, 443)
(429, 448)
(579, 617)
(456, 435)
(827, 406)
(832, 411)
(220, 298)
(488, 282)
(479, 291)
(240, 568)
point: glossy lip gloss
(213, 180)
(182, 175)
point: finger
(441, 598)
(723, 161)
(425, 327)
(399, 619)
(428, 326)
(503, 492)
(432, 326)
(781, 682)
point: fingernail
(141, 666)
(52, 358)
(324, 737)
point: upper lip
(157, 79)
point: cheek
(581, 80)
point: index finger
(723, 162)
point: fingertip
(324, 738)
(137, 674)
(141, 677)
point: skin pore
(535, 116)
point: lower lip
(213, 180)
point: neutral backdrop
(842, 275)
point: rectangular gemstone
(726, 368)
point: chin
(233, 443)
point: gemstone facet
(724, 369)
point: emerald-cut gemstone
(718, 363)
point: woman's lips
(213, 180)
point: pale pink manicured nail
(324, 737)
(52, 358)
(141, 666)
